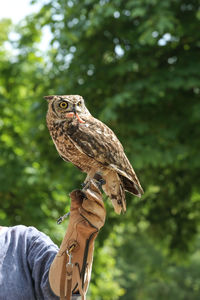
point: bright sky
(16, 9)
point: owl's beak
(74, 109)
(74, 114)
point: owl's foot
(99, 180)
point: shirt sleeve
(41, 252)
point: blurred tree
(132, 62)
(137, 65)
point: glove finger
(95, 220)
(94, 207)
(76, 199)
(93, 186)
(94, 197)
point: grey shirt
(25, 258)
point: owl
(91, 146)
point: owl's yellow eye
(63, 104)
(79, 103)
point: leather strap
(69, 270)
(66, 275)
(62, 278)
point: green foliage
(137, 65)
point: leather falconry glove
(70, 271)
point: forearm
(79, 243)
(71, 269)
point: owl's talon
(102, 181)
(97, 176)
(99, 180)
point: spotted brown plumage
(91, 146)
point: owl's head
(66, 106)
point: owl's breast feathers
(66, 147)
(99, 142)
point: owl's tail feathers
(123, 199)
(115, 191)
(132, 187)
(119, 200)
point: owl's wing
(98, 141)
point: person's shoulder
(28, 232)
(31, 235)
(22, 230)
